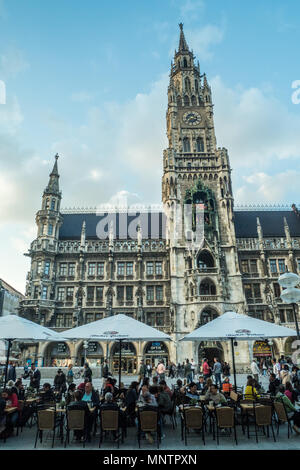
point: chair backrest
(46, 420)
(234, 396)
(263, 415)
(76, 419)
(280, 411)
(148, 420)
(225, 417)
(193, 417)
(110, 420)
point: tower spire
(183, 47)
(53, 185)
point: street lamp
(290, 295)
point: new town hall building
(77, 276)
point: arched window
(186, 100)
(186, 144)
(200, 144)
(196, 85)
(207, 287)
(205, 261)
(185, 62)
(194, 100)
(52, 204)
(179, 101)
(187, 84)
(208, 315)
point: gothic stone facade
(76, 277)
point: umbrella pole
(120, 358)
(7, 360)
(233, 362)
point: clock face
(192, 118)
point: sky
(89, 80)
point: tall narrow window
(186, 100)
(200, 144)
(52, 204)
(186, 144)
(50, 229)
(47, 267)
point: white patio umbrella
(14, 328)
(234, 326)
(117, 328)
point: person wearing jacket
(250, 390)
(255, 369)
(285, 375)
(273, 384)
(291, 411)
(163, 400)
(35, 377)
(60, 381)
(87, 372)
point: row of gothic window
(186, 145)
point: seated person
(109, 404)
(20, 391)
(130, 402)
(121, 393)
(144, 392)
(166, 388)
(192, 392)
(291, 411)
(201, 386)
(90, 395)
(79, 404)
(148, 406)
(47, 394)
(108, 386)
(226, 386)
(250, 390)
(154, 380)
(290, 392)
(164, 401)
(11, 400)
(178, 385)
(81, 386)
(214, 395)
(70, 393)
(273, 384)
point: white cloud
(12, 62)
(202, 40)
(255, 126)
(264, 188)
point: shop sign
(262, 348)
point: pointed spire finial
(181, 26)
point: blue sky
(89, 80)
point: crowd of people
(211, 380)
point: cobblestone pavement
(172, 441)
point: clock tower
(205, 276)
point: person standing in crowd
(193, 367)
(226, 369)
(188, 371)
(149, 370)
(161, 370)
(60, 381)
(35, 377)
(217, 371)
(285, 375)
(254, 369)
(142, 371)
(12, 372)
(276, 367)
(87, 372)
(70, 374)
(206, 370)
(105, 370)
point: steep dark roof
(72, 225)
(245, 224)
(271, 222)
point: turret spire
(53, 185)
(183, 47)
